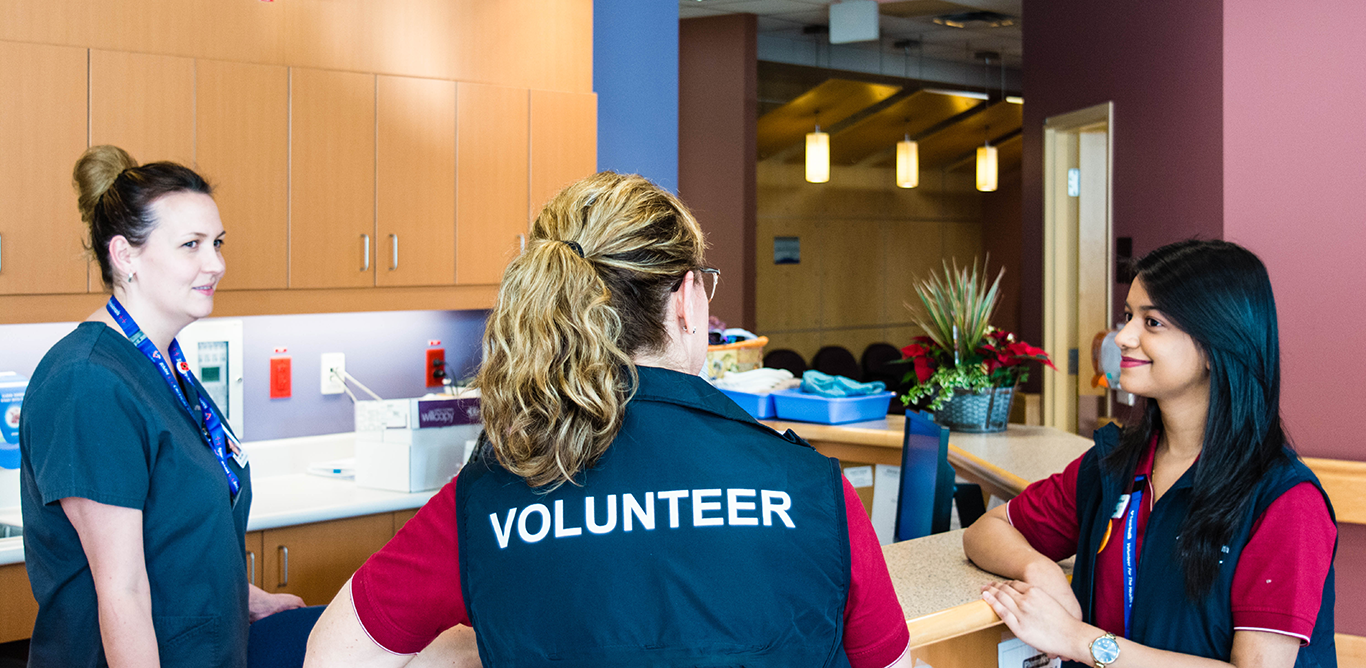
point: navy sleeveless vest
(1163, 616)
(701, 538)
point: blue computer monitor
(925, 498)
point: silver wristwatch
(1105, 650)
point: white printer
(414, 445)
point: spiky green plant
(957, 307)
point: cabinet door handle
(521, 243)
(393, 263)
(251, 571)
(365, 253)
(284, 566)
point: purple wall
(1292, 193)
(384, 350)
(1160, 62)
(718, 104)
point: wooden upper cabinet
(332, 180)
(564, 142)
(415, 190)
(143, 104)
(242, 123)
(491, 180)
(42, 133)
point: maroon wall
(718, 104)
(1293, 185)
(1160, 63)
(1001, 240)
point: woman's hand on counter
(996, 546)
(262, 604)
(1039, 619)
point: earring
(693, 330)
(130, 278)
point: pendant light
(986, 153)
(817, 155)
(907, 163)
(986, 168)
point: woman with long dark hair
(1200, 537)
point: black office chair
(786, 359)
(878, 363)
(927, 493)
(837, 361)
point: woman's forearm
(126, 629)
(995, 546)
(338, 639)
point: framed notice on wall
(787, 250)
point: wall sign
(787, 250)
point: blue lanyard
(212, 429)
(1130, 545)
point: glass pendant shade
(907, 164)
(986, 168)
(817, 156)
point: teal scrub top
(101, 423)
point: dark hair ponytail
(1220, 294)
(115, 196)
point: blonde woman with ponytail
(135, 493)
(620, 511)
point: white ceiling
(787, 18)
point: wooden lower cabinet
(313, 561)
(19, 609)
(254, 552)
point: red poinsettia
(999, 356)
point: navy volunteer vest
(1163, 616)
(701, 538)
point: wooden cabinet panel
(19, 608)
(254, 541)
(564, 142)
(401, 518)
(313, 561)
(242, 148)
(143, 104)
(526, 43)
(491, 180)
(415, 189)
(332, 179)
(42, 134)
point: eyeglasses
(710, 277)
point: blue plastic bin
(758, 405)
(797, 405)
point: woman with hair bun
(620, 511)
(1201, 538)
(135, 493)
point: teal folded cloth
(826, 385)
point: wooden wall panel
(544, 45)
(852, 289)
(42, 134)
(143, 104)
(912, 250)
(415, 193)
(332, 179)
(242, 123)
(564, 142)
(491, 180)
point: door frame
(1062, 240)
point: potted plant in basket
(964, 369)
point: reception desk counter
(1002, 463)
(940, 594)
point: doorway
(1078, 261)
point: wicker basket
(738, 356)
(978, 412)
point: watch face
(1105, 650)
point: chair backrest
(837, 361)
(924, 501)
(786, 359)
(875, 361)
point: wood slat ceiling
(836, 100)
(913, 115)
(950, 144)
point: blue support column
(635, 74)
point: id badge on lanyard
(1130, 555)
(211, 429)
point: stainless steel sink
(10, 531)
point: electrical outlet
(333, 373)
(436, 366)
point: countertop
(282, 494)
(939, 589)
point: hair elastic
(574, 245)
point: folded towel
(825, 385)
(756, 381)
